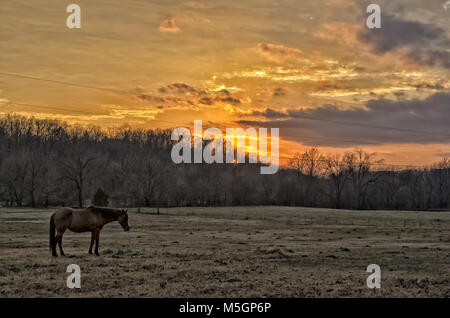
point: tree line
(51, 163)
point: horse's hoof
(54, 255)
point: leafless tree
(13, 174)
(360, 165)
(336, 171)
(49, 162)
(438, 179)
(76, 167)
(35, 165)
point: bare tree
(313, 161)
(297, 162)
(76, 168)
(133, 166)
(438, 180)
(151, 178)
(35, 165)
(336, 171)
(13, 174)
(360, 164)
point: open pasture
(233, 252)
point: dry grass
(233, 252)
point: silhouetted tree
(100, 198)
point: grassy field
(233, 252)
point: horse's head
(123, 220)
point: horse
(91, 219)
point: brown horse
(91, 219)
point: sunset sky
(311, 68)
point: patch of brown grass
(233, 252)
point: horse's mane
(104, 211)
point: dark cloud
(269, 113)
(396, 33)
(206, 101)
(180, 93)
(223, 96)
(229, 100)
(278, 92)
(180, 88)
(425, 43)
(152, 98)
(424, 85)
(431, 57)
(399, 94)
(414, 121)
(332, 85)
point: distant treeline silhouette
(51, 163)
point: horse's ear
(126, 211)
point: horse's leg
(54, 248)
(60, 243)
(97, 239)
(92, 242)
(59, 240)
(52, 235)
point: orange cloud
(169, 26)
(339, 32)
(278, 53)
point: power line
(184, 124)
(373, 164)
(68, 83)
(85, 112)
(55, 108)
(180, 123)
(352, 141)
(414, 131)
(372, 126)
(361, 142)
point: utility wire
(414, 131)
(85, 112)
(184, 124)
(68, 83)
(179, 123)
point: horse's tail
(52, 232)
